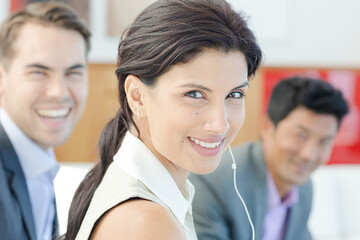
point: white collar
(33, 159)
(138, 161)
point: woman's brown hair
(166, 33)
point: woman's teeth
(205, 144)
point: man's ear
(135, 90)
(266, 127)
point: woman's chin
(205, 170)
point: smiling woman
(183, 69)
(214, 110)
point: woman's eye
(236, 95)
(194, 94)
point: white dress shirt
(137, 173)
(40, 168)
(138, 161)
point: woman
(183, 70)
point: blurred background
(317, 38)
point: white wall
(3, 9)
(336, 214)
(318, 33)
(306, 32)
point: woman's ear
(135, 90)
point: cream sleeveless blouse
(137, 173)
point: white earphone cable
(233, 166)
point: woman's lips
(207, 148)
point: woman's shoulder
(138, 219)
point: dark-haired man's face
(298, 145)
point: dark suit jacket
(218, 212)
(16, 217)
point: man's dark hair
(314, 94)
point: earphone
(233, 166)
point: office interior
(317, 38)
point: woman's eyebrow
(194, 85)
(199, 86)
(245, 84)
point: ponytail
(109, 143)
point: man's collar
(33, 159)
(274, 199)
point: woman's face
(193, 112)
